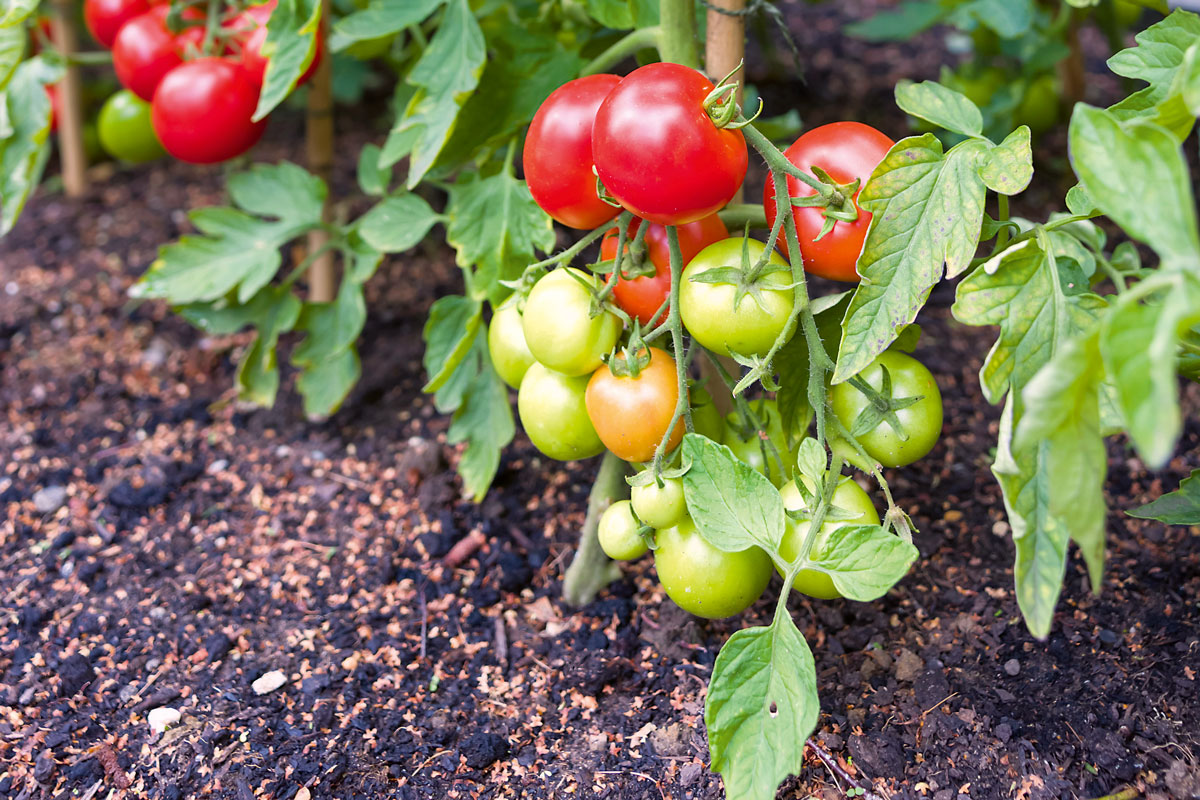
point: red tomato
(52, 93)
(145, 50)
(641, 297)
(845, 150)
(202, 111)
(105, 18)
(253, 24)
(558, 153)
(658, 153)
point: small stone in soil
(50, 499)
(1012, 666)
(269, 682)
(481, 750)
(162, 718)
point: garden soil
(161, 547)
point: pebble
(1012, 666)
(50, 499)
(217, 466)
(269, 682)
(162, 718)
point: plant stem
(70, 95)
(622, 49)
(1002, 216)
(591, 570)
(736, 215)
(211, 24)
(778, 162)
(677, 41)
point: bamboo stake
(319, 141)
(70, 102)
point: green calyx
(882, 407)
(837, 201)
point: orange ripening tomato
(631, 414)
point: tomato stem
(738, 215)
(677, 41)
(211, 25)
(591, 570)
(674, 323)
(623, 48)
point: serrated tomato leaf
(1180, 507)
(379, 18)
(290, 48)
(940, 105)
(1161, 58)
(865, 561)
(397, 223)
(450, 333)
(484, 422)
(734, 507)
(25, 145)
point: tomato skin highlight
(105, 18)
(554, 414)
(557, 328)
(846, 150)
(848, 496)
(708, 312)
(618, 533)
(641, 297)
(125, 129)
(705, 581)
(145, 51)
(202, 111)
(658, 153)
(630, 414)
(557, 156)
(922, 421)
(506, 344)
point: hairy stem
(677, 42)
(591, 570)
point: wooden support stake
(70, 102)
(319, 140)
(724, 49)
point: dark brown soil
(197, 547)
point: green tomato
(558, 330)
(921, 422)
(1039, 105)
(659, 506)
(554, 415)
(750, 450)
(706, 581)
(848, 497)
(708, 310)
(706, 417)
(618, 533)
(506, 344)
(125, 129)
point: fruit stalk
(591, 570)
(319, 142)
(677, 40)
(70, 95)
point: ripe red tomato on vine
(631, 412)
(640, 297)
(202, 111)
(558, 153)
(145, 50)
(105, 18)
(657, 151)
(251, 28)
(847, 151)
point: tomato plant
(104, 18)
(658, 152)
(554, 413)
(506, 345)
(847, 152)
(250, 30)
(659, 506)
(559, 327)
(632, 404)
(850, 505)
(618, 533)
(145, 50)
(203, 111)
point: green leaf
(495, 226)
(1008, 18)
(1159, 59)
(1020, 290)
(734, 507)
(762, 706)
(611, 13)
(1140, 345)
(909, 19)
(12, 50)
(450, 333)
(290, 48)
(238, 249)
(1009, 166)
(324, 385)
(380, 18)
(1136, 174)
(372, 178)
(927, 211)
(522, 72)
(25, 112)
(940, 105)
(397, 223)
(445, 77)
(16, 12)
(332, 327)
(484, 421)
(276, 312)
(402, 137)
(1180, 507)
(865, 561)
